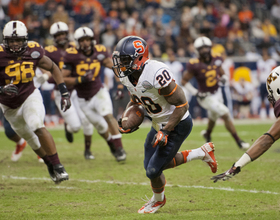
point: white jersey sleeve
(163, 77)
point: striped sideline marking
(143, 184)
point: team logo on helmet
(139, 47)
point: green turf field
(104, 189)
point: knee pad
(73, 129)
(34, 142)
(151, 173)
(88, 128)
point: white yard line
(143, 184)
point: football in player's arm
(151, 84)
(264, 142)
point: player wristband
(270, 136)
(62, 89)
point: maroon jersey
(57, 54)
(207, 75)
(277, 109)
(79, 64)
(20, 70)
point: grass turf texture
(104, 189)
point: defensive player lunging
(264, 142)
(152, 85)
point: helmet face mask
(81, 35)
(130, 56)
(85, 44)
(15, 37)
(273, 86)
(203, 47)
(59, 31)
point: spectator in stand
(220, 32)
(186, 15)
(269, 29)
(265, 65)
(60, 15)
(275, 13)
(84, 17)
(109, 38)
(236, 31)
(245, 16)
(15, 9)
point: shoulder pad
(100, 48)
(51, 48)
(1, 48)
(33, 44)
(193, 60)
(71, 50)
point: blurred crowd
(242, 28)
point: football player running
(264, 142)
(207, 69)
(82, 68)
(151, 84)
(74, 117)
(21, 102)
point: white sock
(196, 154)
(109, 137)
(158, 196)
(21, 141)
(116, 136)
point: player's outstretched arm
(260, 146)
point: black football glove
(226, 175)
(160, 138)
(65, 102)
(10, 90)
(127, 131)
(85, 78)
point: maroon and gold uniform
(207, 75)
(20, 71)
(73, 117)
(79, 64)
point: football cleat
(120, 155)
(52, 174)
(88, 155)
(243, 145)
(152, 206)
(207, 138)
(17, 153)
(209, 157)
(40, 160)
(59, 173)
(68, 135)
